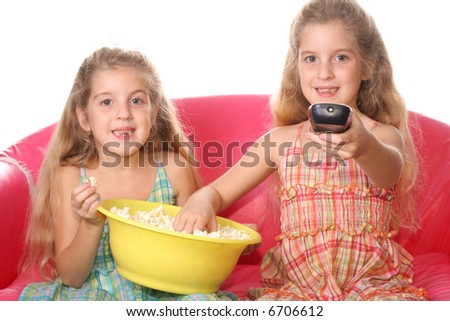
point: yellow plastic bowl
(167, 260)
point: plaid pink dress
(335, 241)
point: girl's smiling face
(119, 112)
(330, 65)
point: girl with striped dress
(118, 127)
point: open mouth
(327, 91)
(123, 133)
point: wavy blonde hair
(70, 145)
(378, 97)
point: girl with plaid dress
(118, 127)
(343, 196)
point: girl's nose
(124, 111)
(325, 71)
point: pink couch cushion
(432, 272)
(432, 139)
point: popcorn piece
(93, 181)
(158, 218)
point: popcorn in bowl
(157, 218)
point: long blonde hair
(378, 97)
(70, 145)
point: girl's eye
(136, 101)
(341, 57)
(106, 102)
(310, 59)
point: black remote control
(328, 117)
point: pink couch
(223, 127)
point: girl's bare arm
(78, 227)
(258, 162)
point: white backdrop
(200, 47)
